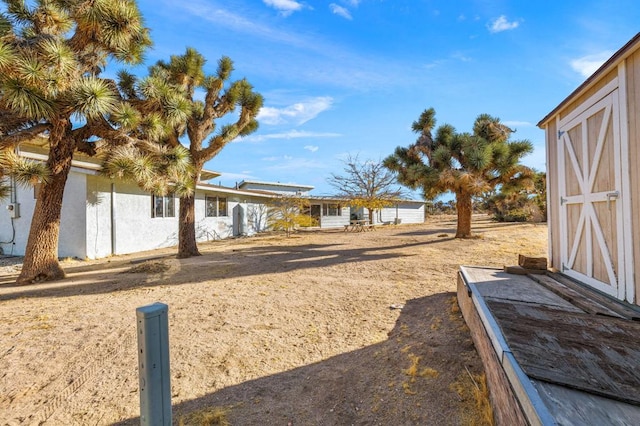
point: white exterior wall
(212, 228)
(256, 217)
(101, 217)
(98, 217)
(15, 244)
(406, 212)
(72, 242)
(336, 221)
(73, 238)
(135, 230)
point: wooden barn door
(590, 183)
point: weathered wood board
(494, 283)
(574, 407)
(619, 308)
(595, 354)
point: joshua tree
(466, 164)
(208, 98)
(51, 56)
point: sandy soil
(322, 328)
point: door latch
(610, 196)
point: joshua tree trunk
(464, 208)
(41, 254)
(187, 245)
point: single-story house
(335, 212)
(593, 178)
(102, 216)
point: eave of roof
(226, 190)
(288, 185)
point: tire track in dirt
(65, 395)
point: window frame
(163, 206)
(331, 209)
(215, 206)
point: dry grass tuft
(149, 268)
(473, 391)
(216, 416)
(483, 403)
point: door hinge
(564, 267)
(562, 200)
(560, 133)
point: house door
(591, 195)
(316, 210)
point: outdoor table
(357, 226)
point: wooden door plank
(614, 305)
(574, 297)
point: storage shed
(593, 178)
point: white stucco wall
(90, 222)
(135, 229)
(15, 244)
(256, 217)
(98, 224)
(72, 241)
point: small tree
(366, 184)
(467, 164)
(288, 212)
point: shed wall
(553, 206)
(633, 123)
(629, 83)
(603, 81)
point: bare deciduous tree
(366, 184)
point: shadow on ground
(105, 278)
(420, 375)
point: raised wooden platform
(552, 353)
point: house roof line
(290, 185)
(93, 166)
(227, 190)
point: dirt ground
(322, 328)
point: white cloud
(227, 176)
(292, 134)
(588, 64)
(352, 3)
(312, 148)
(297, 164)
(286, 7)
(340, 11)
(502, 24)
(513, 124)
(298, 113)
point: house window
(329, 209)
(216, 206)
(163, 206)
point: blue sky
(349, 77)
